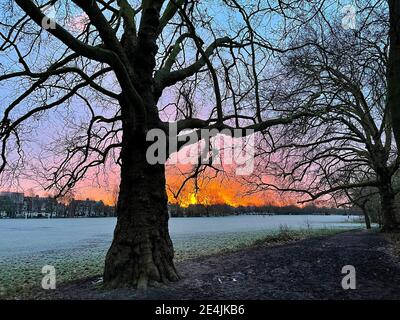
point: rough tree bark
(142, 251)
(394, 68)
(388, 206)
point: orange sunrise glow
(212, 189)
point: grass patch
(286, 236)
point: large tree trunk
(394, 68)
(141, 253)
(390, 223)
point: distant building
(11, 204)
(39, 207)
(16, 197)
(89, 208)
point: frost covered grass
(21, 273)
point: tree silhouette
(126, 67)
(351, 146)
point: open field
(77, 247)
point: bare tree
(365, 198)
(117, 69)
(351, 146)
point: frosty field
(77, 247)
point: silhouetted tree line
(200, 210)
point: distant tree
(365, 198)
(9, 207)
(351, 146)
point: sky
(44, 130)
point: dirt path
(309, 269)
